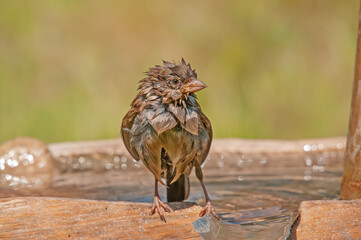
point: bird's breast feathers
(178, 132)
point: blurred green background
(275, 69)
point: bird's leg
(158, 205)
(208, 208)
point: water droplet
(41, 164)
(15, 163)
(123, 159)
(123, 166)
(317, 168)
(81, 160)
(240, 163)
(16, 179)
(12, 163)
(240, 178)
(30, 159)
(109, 165)
(307, 177)
(308, 161)
(320, 146)
(24, 180)
(339, 145)
(8, 177)
(306, 148)
(116, 159)
(11, 153)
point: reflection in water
(265, 204)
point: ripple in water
(264, 206)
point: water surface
(251, 204)
(253, 200)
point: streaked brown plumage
(167, 130)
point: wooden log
(328, 219)
(57, 218)
(351, 182)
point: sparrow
(166, 129)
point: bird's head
(171, 81)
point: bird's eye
(175, 81)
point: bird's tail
(179, 190)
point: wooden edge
(224, 153)
(61, 218)
(116, 146)
(328, 219)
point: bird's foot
(208, 209)
(160, 207)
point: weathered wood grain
(328, 219)
(351, 182)
(57, 218)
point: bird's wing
(205, 139)
(127, 124)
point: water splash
(25, 162)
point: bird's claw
(208, 209)
(160, 207)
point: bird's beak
(193, 85)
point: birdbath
(94, 189)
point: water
(256, 196)
(260, 205)
(264, 205)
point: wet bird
(166, 129)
